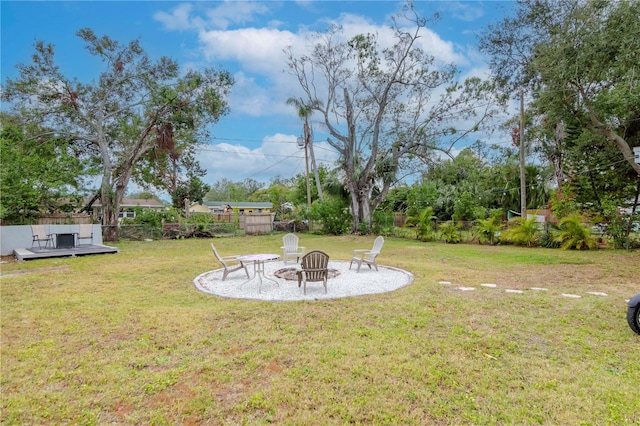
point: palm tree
(486, 229)
(572, 234)
(449, 232)
(422, 223)
(304, 112)
(522, 231)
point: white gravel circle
(347, 284)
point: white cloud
(178, 19)
(262, 84)
(278, 155)
(256, 49)
(235, 12)
(465, 11)
(222, 16)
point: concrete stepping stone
(539, 289)
(444, 282)
(514, 291)
(488, 285)
(597, 293)
(572, 296)
(466, 288)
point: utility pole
(523, 184)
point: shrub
(449, 232)
(522, 232)
(572, 234)
(487, 230)
(422, 224)
(333, 214)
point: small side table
(258, 260)
(65, 241)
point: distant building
(220, 207)
(128, 207)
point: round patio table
(258, 260)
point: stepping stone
(539, 289)
(466, 288)
(573, 296)
(488, 285)
(597, 293)
(514, 291)
(444, 282)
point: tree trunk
(601, 128)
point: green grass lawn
(127, 339)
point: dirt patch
(8, 259)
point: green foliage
(573, 234)
(487, 230)
(566, 205)
(333, 214)
(546, 239)
(423, 224)
(522, 232)
(449, 232)
(192, 190)
(368, 84)
(397, 199)
(618, 228)
(38, 174)
(383, 223)
(138, 119)
(467, 207)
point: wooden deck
(81, 250)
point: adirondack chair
(368, 257)
(39, 234)
(290, 248)
(230, 263)
(314, 266)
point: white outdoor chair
(39, 234)
(290, 249)
(230, 263)
(368, 257)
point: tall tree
(384, 104)
(582, 58)
(590, 71)
(304, 112)
(136, 105)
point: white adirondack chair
(230, 263)
(290, 248)
(368, 257)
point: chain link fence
(174, 231)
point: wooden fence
(64, 219)
(258, 223)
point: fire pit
(289, 274)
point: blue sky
(257, 139)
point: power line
(267, 168)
